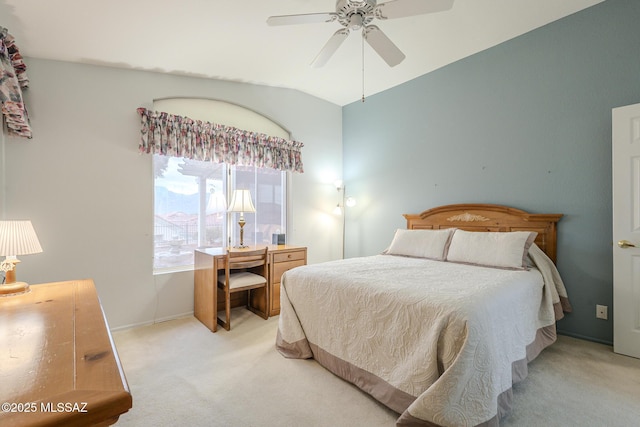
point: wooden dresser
(209, 261)
(58, 363)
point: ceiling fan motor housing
(355, 14)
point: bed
(431, 327)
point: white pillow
(491, 249)
(430, 244)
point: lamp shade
(18, 238)
(241, 202)
(216, 203)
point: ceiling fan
(354, 15)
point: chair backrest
(245, 259)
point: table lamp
(16, 238)
(241, 202)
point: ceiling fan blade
(330, 47)
(403, 8)
(383, 45)
(307, 18)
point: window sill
(171, 270)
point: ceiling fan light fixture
(355, 21)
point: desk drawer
(281, 261)
(280, 268)
(288, 256)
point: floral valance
(13, 78)
(178, 136)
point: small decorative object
(16, 238)
(241, 202)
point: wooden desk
(58, 363)
(209, 261)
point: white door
(626, 230)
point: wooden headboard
(485, 217)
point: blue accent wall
(527, 124)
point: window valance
(13, 78)
(177, 136)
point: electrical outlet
(601, 312)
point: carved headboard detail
(486, 217)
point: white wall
(89, 193)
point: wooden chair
(245, 270)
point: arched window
(191, 196)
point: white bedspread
(432, 339)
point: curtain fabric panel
(177, 136)
(13, 78)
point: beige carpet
(181, 374)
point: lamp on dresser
(16, 238)
(241, 202)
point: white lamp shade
(241, 202)
(216, 203)
(18, 238)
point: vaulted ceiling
(230, 40)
